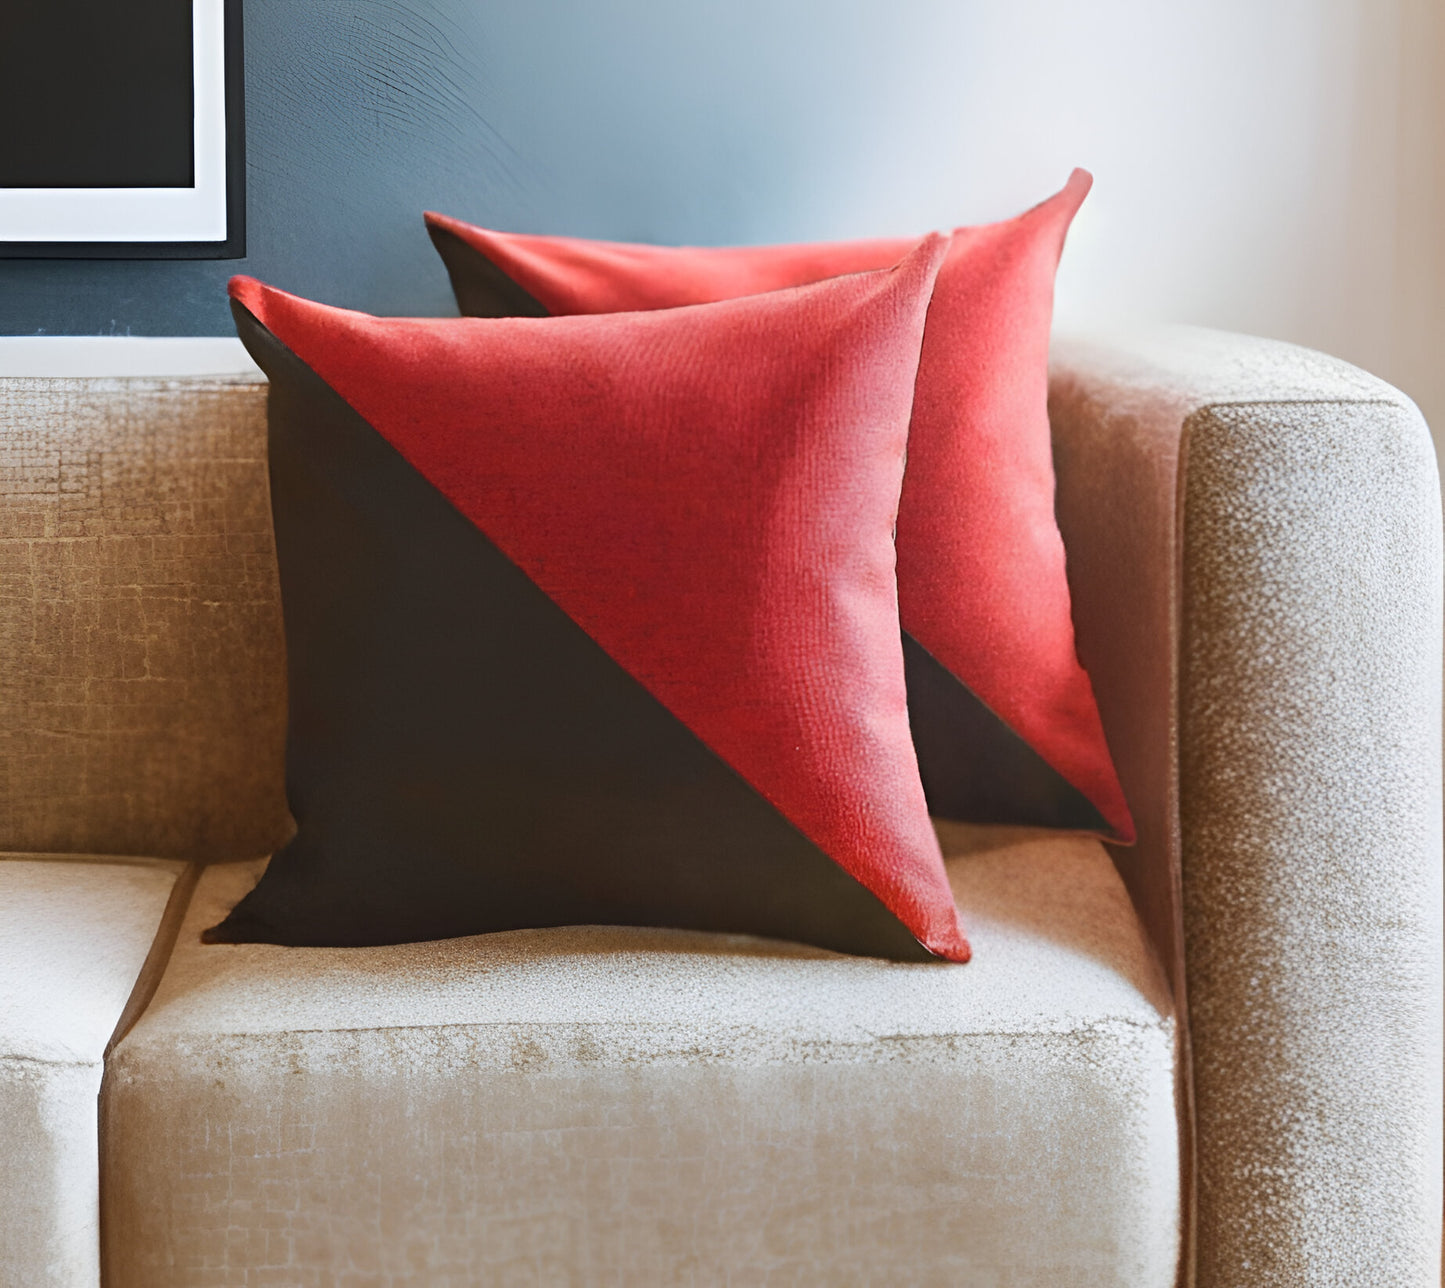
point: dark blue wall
(666, 120)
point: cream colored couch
(1218, 1053)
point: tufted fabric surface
(1283, 760)
(629, 1106)
(74, 934)
(138, 584)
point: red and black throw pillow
(1004, 717)
(594, 619)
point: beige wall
(1270, 166)
(1275, 167)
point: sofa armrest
(1254, 545)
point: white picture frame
(205, 220)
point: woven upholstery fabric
(1311, 678)
(692, 507)
(74, 934)
(1004, 719)
(1283, 760)
(142, 694)
(653, 1107)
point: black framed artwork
(123, 129)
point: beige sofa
(1214, 1055)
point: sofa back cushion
(142, 674)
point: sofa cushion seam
(148, 979)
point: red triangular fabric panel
(710, 493)
(981, 577)
(573, 275)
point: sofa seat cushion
(74, 934)
(606, 1105)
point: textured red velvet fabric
(710, 493)
(981, 579)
